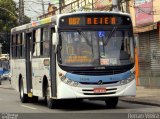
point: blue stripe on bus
(104, 78)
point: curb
(140, 101)
(7, 88)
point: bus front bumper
(84, 91)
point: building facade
(146, 21)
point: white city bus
(81, 55)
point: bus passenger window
(18, 45)
(45, 42)
(33, 42)
(36, 42)
(14, 46)
(23, 45)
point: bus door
(53, 67)
(28, 62)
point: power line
(21, 12)
(45, 3)
(43, 6)
(151, 12)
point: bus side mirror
(55, 39)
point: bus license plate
(100, 90)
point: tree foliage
(8, 15)
(8, 20)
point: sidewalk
(148, 96)
(5, 84)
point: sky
(33, 8)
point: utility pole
(127, 6)
(43, 9)
(60, 6)
(115, 5)
(21, 12)
(92, 5)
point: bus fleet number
(74, 21)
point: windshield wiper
(84, 36)
(109, 36)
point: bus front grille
(98, 73)
(96, 83)
(99, 93)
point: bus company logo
(100, 82)
(84, 79)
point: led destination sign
(92, 20)
(88, 20)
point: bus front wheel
(23, 97)
(50, 101)
(35, 99)
(111, 102)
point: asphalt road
(10, 103)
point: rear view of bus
(95, 57)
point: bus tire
(111, 102)
(50, 101)
(35, 99)
(23, 97)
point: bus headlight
(125, 81)
(68, 81)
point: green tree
(8, 20)
(26, 19)
(8, 15)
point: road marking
(29, 107)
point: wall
(143, 12)
(156, 9)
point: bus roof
(93, 12)
(34, 24)
(56, 17)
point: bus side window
(41, 43)
(17, 45)
(36, 42)
(13, 46)
(45, 42)
(33, 43)
(23, 45)
(20, 45)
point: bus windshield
(97, 48)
